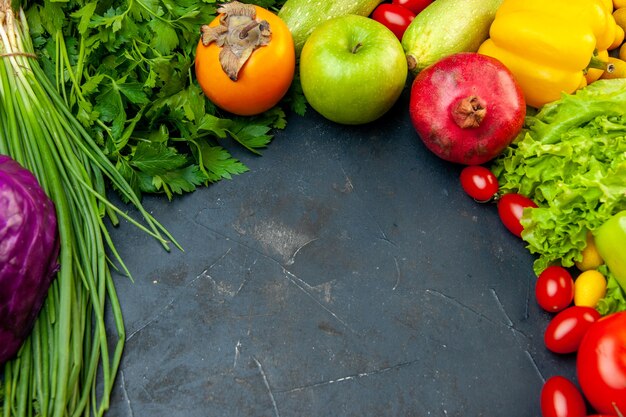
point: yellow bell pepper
(548, 45)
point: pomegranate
(467, 108)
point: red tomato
(415, 6)
(510, 208)
(396, 18)
(554, 289)
(566, 329)
(601, 364)
(561, 398)
(479, 182)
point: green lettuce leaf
(570, 159)
(615, 298)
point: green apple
(352, 69)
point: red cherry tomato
(554, 289)
(601, 364)
(415, 6)
(510, 208)
(479, 182)
(567, 328)
(396, 18)
(561, 398)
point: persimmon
(245, 59)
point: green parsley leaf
(133, 87)
(134, 92)
(217, 163)
(252, 137)
(164, 38)
(84, 14)
(156, 158)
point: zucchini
(446, 27)
(303, 16)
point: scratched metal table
(347, 274)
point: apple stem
(356, 47)
(469, 112)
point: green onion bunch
(68, 365)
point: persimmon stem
(246, 29)
(238, 35)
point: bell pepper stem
(597, 63)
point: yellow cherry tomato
(591, 258)
(589, 288)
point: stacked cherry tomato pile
(398, 14)
(599, 342)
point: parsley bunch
(125, 69)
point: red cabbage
(29, 249)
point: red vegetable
(561, 398)
(479, 182)
(467, 108)
(601, 364)
(396, 18)
(567, 328)
(416, 6)
(511, 208)
(554, 289)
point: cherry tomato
(601, 364)
(567, 328)
(262, 81)
(561, 398)
(479, 182)
(554, 289)
(415, 6)
(396, 18)
(510, 208)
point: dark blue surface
(346, 275)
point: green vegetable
(610, 240)
(302, 16)
(125, 69)
(571, 160)
(446, 27)
(615, 297)
(67, 366)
